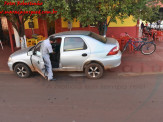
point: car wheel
(22, 70)
(94, 71)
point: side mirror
(30, 53)
(38, 53)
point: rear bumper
(112, 61)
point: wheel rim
(21, 71)
(148, 48)
(94, 71)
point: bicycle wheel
(148, 48)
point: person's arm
(50, 49)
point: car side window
(74, 43)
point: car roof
(86, 33)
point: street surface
(74, 98)
(132, 92)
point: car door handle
(84, 54)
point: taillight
(113, 51)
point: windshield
(98, 37)
(31, 48)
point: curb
(6, 72)
(138, 74)
(124, 74)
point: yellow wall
(75, 23)
(127, 23)
(35, 20)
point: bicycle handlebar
(131, 37)
(128, 35)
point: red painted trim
(111, 31)
(45, 28)
(116, 31)
(58, 26)
(10, 35)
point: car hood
(20, 52)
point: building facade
(114, 30)
(46, 28)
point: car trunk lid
(115, 46)
(112, 41)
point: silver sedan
(74, 51)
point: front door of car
(74, 53)
(37, 60)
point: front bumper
(10, 65)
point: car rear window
(98, 37)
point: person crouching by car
(46, 49)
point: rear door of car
(74, 52)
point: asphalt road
(74, 98)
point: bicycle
(146, 47)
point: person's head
(52, 39)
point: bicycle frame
(141, 44)
(133, 44)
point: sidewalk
(142, 64)
(131, 62)
(4, 54)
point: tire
(148, 48)
(22, 70)
(94, 71)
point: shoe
(54, 79)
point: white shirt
(46, 47)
